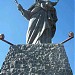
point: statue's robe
(41, 27)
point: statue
(42, 21)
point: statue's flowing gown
(41, 27)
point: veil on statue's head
(41, 0)
(36, 2)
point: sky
(14, 26)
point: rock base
(39, 59)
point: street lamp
(2, 38)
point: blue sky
(14, 26)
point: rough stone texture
(39, 59)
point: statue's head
(41, 0)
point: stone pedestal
(39, 59)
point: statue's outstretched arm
(54, 3)
(25, 13)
